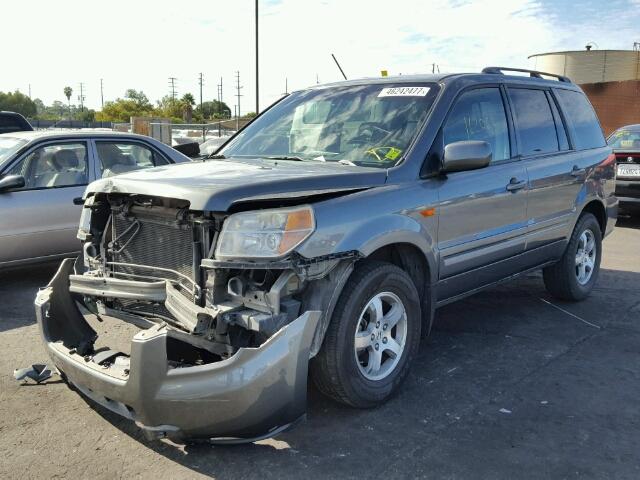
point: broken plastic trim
(294, 261)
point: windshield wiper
(217, 156)
(286, 157)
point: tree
(187, 98)
(139, 98)
(18, 102)
(67, 93)
(171, 108)
(250, 115)
(214, 109)
(86, 115)
(134, 104)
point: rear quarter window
(582, 120)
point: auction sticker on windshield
(404, 92)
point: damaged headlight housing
(265, 233)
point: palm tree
(67, 93)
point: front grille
(153, 244)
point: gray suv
(321, 239)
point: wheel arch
(598, 210)
(413, 260)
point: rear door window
(535, 126)
(120, 157)
(583, 122)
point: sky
(140, 44)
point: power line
(172, 86)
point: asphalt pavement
(511, 384)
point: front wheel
(373, 336)
(574, 276)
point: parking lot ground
(511, 384)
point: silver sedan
(43, 176)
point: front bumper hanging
(256, 393)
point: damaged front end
(223, 345)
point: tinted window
(583, 122)
(13, 123)
(119, 157)
(534, 121)
(62, 165)
(479, 115)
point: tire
(563, 280)
(349, 375)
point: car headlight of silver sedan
(265, 233)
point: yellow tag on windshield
(393, 153)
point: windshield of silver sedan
(367, 125)
(8, 146)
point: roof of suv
(446, 77)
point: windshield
(365, 125)
(625, 138)
(8, 146)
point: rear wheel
(373, 335)
(574, 276)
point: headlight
(265, 233)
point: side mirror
(466, 155)
(11, 182)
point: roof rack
(532, 73)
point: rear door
(40, 219)
(557, 166)
(482, 213)
(113, 157)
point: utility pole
(201, 81)
(235, 114)
(29, 90)
(238, 88)
(286, 87)
(81, 97)
(101, 94)
(172, 86)
(257, 66)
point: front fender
(339, 231)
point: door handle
(515, 185)
(78, 201)
(577, 171)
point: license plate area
(631, 170)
